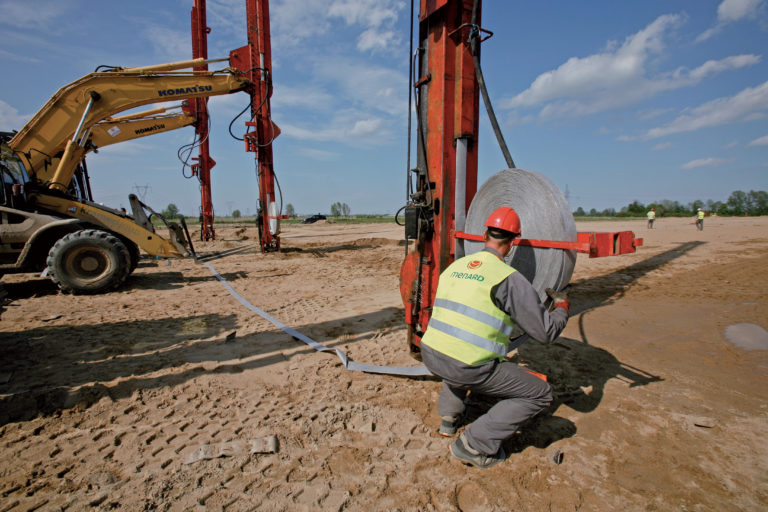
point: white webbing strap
(410, 371)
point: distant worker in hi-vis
(700, 220)
(651, 217)
(480, 300)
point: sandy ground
(104, 398)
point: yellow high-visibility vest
(465, 324)
(700, 215)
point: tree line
(338, 209)
(739, 203)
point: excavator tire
(133, 250)
(88, 261)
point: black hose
(184, 153)
(474, 39)
(235, 119)
(403, 224)
(408, 186)
(269, 93)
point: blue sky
(614, 101)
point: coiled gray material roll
(544, 215)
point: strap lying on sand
(411, 371)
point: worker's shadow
(577, 373)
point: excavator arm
(117, 129)
(61, 129)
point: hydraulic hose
(474, 48)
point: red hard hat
(504, 218)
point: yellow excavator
(47, 222)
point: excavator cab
(13, 176)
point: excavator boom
(124, 128)
(66, 114)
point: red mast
(448, 102)
(202, 169)
(255, 59)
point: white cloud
(310, 97)
(744, 106)
(325, 134)
(734, 10)
(296, 20)
(10, 119)
(710, 32)
(704, 162)
(762, 141)
(228, 105)
(369, 13)
(366, 127)
(123, 150)
(226, 16)
(170, 44)
(377, 16)
(43, 14)
(617, 77)
(373, 39)
(365, 85)
(592, 76)
(646, 115)
(19, 58)
(293, 21)
(347, 128)
(663, 145)
(730, 11)
(712, 67)
(319, 154)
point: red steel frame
(255, 59)
(202, 169)
(447, 87)
(448, 98)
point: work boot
(449, 425)
(466, 454)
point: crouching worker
(479, 301)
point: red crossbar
(595, 244)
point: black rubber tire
(133, 250)
(88, 261)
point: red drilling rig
(447, 85)
(255, 61)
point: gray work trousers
(523, 397)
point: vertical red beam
(260, 141)
(450, 91)
(205, 163)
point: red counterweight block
(610, 244)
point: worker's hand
(559, 299)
